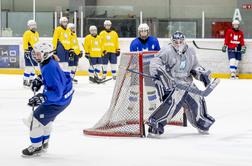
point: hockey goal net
(129, 107)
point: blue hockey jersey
(58, 87)
(151, 44)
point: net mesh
(129, 108)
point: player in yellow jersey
(93, 52)
(111, 47)
(30, 37)
(75, 52)
(61, 43)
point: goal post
(129, 107)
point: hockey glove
(36, 100)
(243, 49)
(37, 83)
(87, 55)
(118, 52)
(71, 55)
(80, 54)
(27, 54)
(224, 48)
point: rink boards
(12, 62)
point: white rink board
(216, 61)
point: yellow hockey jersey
(75, 44)
(29, 39)
(93, 46)
(63, 36)
(110, 41)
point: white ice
(229, 142)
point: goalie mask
(42, 51)
(178, 42)
(143, 30)
(32, 25)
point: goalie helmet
(32, 25)
(236, 24)
(143, 30)
(42, 51)
(178, 42)
(93, 30)
(63, 21)
(71, 26)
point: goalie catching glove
(36, 100)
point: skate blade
(154, 136)
(202, 132)
(32, 156)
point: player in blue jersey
(56, 96)
(145, 42)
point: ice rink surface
(229, 142)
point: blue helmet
(178, 42)
(178, 36)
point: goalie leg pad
(168, 109)
(196, 113)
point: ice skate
(155, 129)
(233, 76)
(44, 147)
(92, 80)
(203, 132)
(32, 151)
(26, 83)
(103, 77)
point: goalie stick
(187, 88)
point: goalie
(177, 62)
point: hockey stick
(33, 65)
(205, 48)
(33, 109)
(98, 82)
(187, 88)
